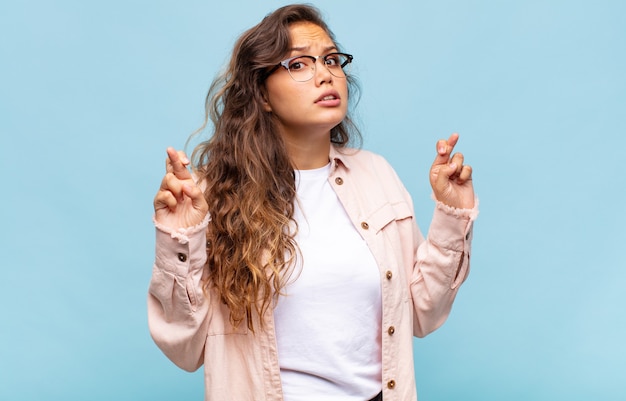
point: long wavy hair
(249, 177)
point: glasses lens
(302, 68)
(337, 63)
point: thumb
(197, 197)
(443, 178)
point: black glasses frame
(285, 63)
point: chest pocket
(388, 213)
(394, 259)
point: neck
(308, 152)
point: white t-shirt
(328, 323)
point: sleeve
(441, 265)
(177, 307)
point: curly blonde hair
(249, 177)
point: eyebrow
(306, 48)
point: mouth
(328, 97)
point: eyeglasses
(302, 68)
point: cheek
(342, 88)
(283, 95)
(282, 102)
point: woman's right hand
(179, 203)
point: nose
(322, 75)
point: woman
(290, 265)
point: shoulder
(371, 178)
(369, 169)
(361, 159)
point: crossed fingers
(457, 172)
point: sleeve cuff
(183, 234)
(451, 228)
(470, 214)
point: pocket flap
(388, 213)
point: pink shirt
(419, 281)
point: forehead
(306, 35)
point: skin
(179, 203)
(305, 125)
(450, 179)
(303, 121)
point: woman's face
(304, 109)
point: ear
(264, 102)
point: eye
(298, 64)
(333, 60)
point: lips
(328, 96)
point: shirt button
(365, 226)
(389, 274)
(338, 180)
(391, 330)
(391, 384)
(182, 257)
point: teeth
(329, 97)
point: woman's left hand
(450, 179)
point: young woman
(289, 264)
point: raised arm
(177, 308)
(442, 260)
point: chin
(335, 119)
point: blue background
(91, 93)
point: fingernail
(453, 166)
(442, 149)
